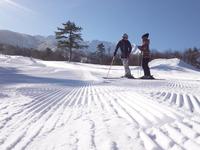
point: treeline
(69, 48)
(190, 56)
(100, 55)
(47, 54)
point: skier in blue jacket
(125, 47)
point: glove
(138, 52)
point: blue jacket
(125, 47)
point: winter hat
(146, 35)
(125, 35)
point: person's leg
(145, 66)
(126, 66)
(148, 70)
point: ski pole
(110, 66)
(141, 63)
(138, 64)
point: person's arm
(117, 47)
(129, 48)
(141, 48)
(144, 45)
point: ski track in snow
(116, 117)
(105, 115)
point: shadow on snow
(13, 76)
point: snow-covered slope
(164, 64)
(17, 60)
(47, 105)
(174, 68)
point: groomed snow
(48, 105)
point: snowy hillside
(41, 42)
(18, 39)
(174, 69)
(27, 41)
(47, 105)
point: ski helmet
(125, 35)
(146, 35)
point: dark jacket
(125, 47)
(145, 48)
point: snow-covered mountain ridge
(41, 42)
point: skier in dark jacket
(146, 56)
(125, 47)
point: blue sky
(172, 24)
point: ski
(130, 78)
(112, 77)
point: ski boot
(129, 76)
(147, 77)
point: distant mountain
(27, 41)
(41, 43)
(93, 45)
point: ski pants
(126, 66)
(145, 66)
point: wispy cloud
(18, 6)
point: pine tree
(69, 38)
(100, 52)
